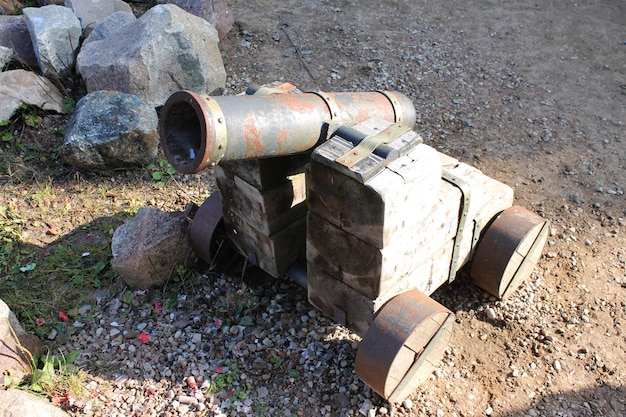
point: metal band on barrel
(219, 124)
(397, 110)
(335, 112)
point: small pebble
(185, 399)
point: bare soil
(533, 94)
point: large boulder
(12, 357)
(216, 12)
(165, 50)
(18, 403)
(112, 24)
(148, 248)
(55, 32)
(92, 12)
(19, 87)
(110, 130)
(14, 34)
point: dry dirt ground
(534, 95)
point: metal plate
(205, 222)
(509, 250)
(403, 344)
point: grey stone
(216, 12)
(165, 50)
(11, 356)
(92, 12)
(18, 403)
(55, 32)
(148, 248)
(6, 55)
(111, 130)
(14, 34)
(19, 87)
(111, 24)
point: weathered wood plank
(266, 210)
(370, 270)
(338, 301)
(376, 212)
(489, 197)
(267, 172)
(274, 253)
(373, 271)
(356, 311)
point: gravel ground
(524, 94)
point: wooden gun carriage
(339, 192)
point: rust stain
(374, 106)
(282, 141)
(298, 103)
(252, 137)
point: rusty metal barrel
(199, 130)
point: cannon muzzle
(199, 130)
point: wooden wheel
(509, 250)
(403, 344)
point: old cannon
(339, 192)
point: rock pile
(165, 50)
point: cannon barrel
(199, 130)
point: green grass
(38, 285)
(11, 131)
(56, 225)
(53, 376)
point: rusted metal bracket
(336, 115)
(370, 143)
(464, 187)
